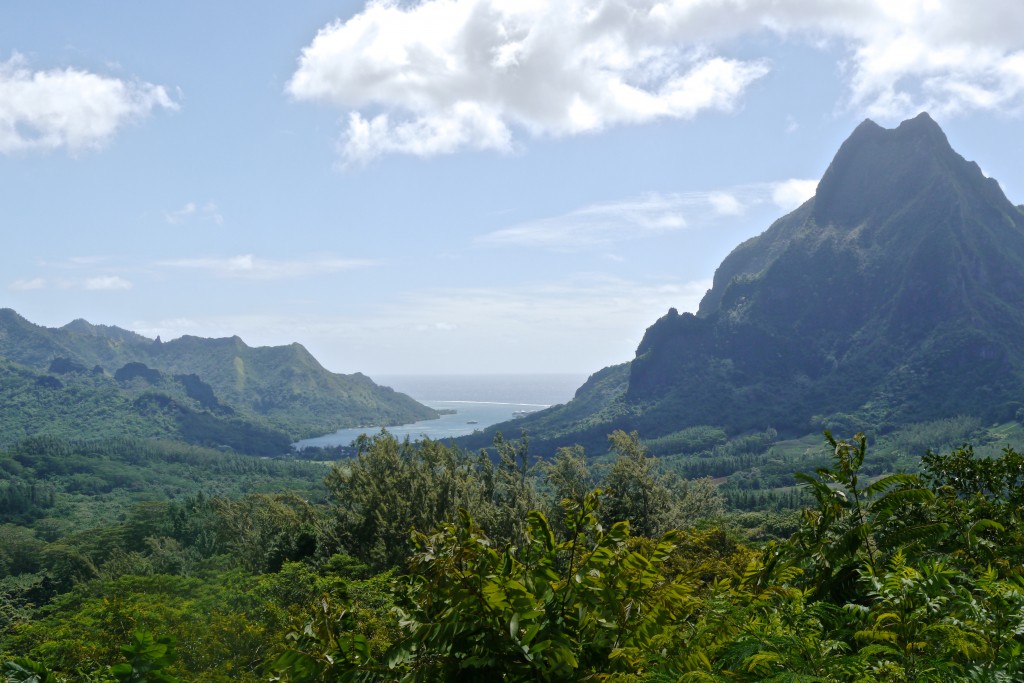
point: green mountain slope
(137, 402)
(287, 385)
(283, 385)
(597, 409)
(893, 296)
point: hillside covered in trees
(427, 563)
(282, 387)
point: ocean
(479, 401)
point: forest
(129, 560)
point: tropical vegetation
(426, 562)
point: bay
(479, 401)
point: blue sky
(471, 186)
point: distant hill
(74, 402)
(284, 386)
(894, 295)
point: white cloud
(790, 194)
(598, 224)
(726, 204)
(440, 76)
(107, 283)
(464, 125)
(452, 75)
(79, 261)
(654, 214)
(247, 266)
(68, 108)
(181, 214)
(28, 285)
(945, 57)
(190, 211)
(434, 327)
(98, 283)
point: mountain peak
(922, 126)
(81, 326)
(112, 333)
(876, 169)
(891, 297)
(923, 123)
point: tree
(651, 500)
(568, 476)
(392, 487)
(635, 492)
(588, 607)
(980, 504)
(147, 658)
(514, 494)
(567, 481)
(854, 523)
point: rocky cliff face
(895, 293)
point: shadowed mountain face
(896, 294)
(283, 385)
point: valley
(816, 476)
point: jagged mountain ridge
(284, 385)
(895, 294)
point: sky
(449, 186)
